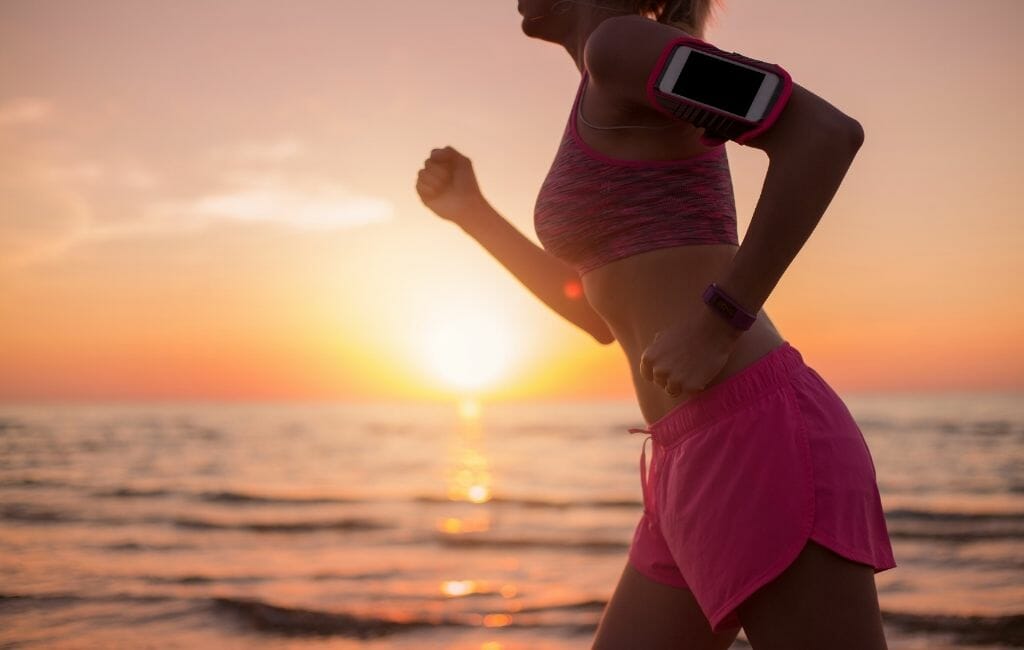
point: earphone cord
(628, 126)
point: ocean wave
(245, 497)
(585, 605)
(955, 537)
(333, 575)
(955, 527)
(10, 424)
(204, 579)
(973, 630)
(229, 496)
(32, 513)
(56, 598)
(949, 516)
(557, 504)
(300, 526)
(146, 547)
(300, 621)
(132, 493)
(993, 428)
(28, 512)
(484, 541)
(233, 497)
(33, 482)
(64, 597)
(279, 619)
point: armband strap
(718, 126)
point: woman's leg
(822, 600)
(646, 614)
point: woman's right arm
(447, 185)
(553, 281)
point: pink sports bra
(593, 209)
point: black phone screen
(718, 83)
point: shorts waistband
(762, 376)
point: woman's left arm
(809, 152)
(810, 148)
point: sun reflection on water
(497, 620)
(469, 479)
(468, 483)
(456, 588)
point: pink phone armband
(718, 125)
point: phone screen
(717, 83)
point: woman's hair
(694, 15)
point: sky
(215, 199)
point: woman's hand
(688, 355)
(447, 185)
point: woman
(761, 508)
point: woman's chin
(535, 28)
(530, 26)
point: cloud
(25, 110)
(272, 199)
(317, 205)
(47, 206)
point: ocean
(465, 525)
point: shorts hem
(652, 576)
(851, 554)
(722, 614)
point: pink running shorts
(743, 474)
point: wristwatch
(727, 308)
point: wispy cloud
(320, 206)
(25, 110)
(49, 206)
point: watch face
(723, 306)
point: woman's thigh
(646, 614)
(822, 600)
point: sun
(467, 346)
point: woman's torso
(639, 295)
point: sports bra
(593, 209)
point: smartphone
(718, 84)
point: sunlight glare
(455, 588)
(468, 347)
(479, 493)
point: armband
(713, 114)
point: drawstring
(643, 467)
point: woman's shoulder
(622, 51)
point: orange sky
(215, 199)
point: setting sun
(467, 347)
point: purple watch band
(728, 308)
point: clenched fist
(447, 185)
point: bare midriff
(641, 294)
